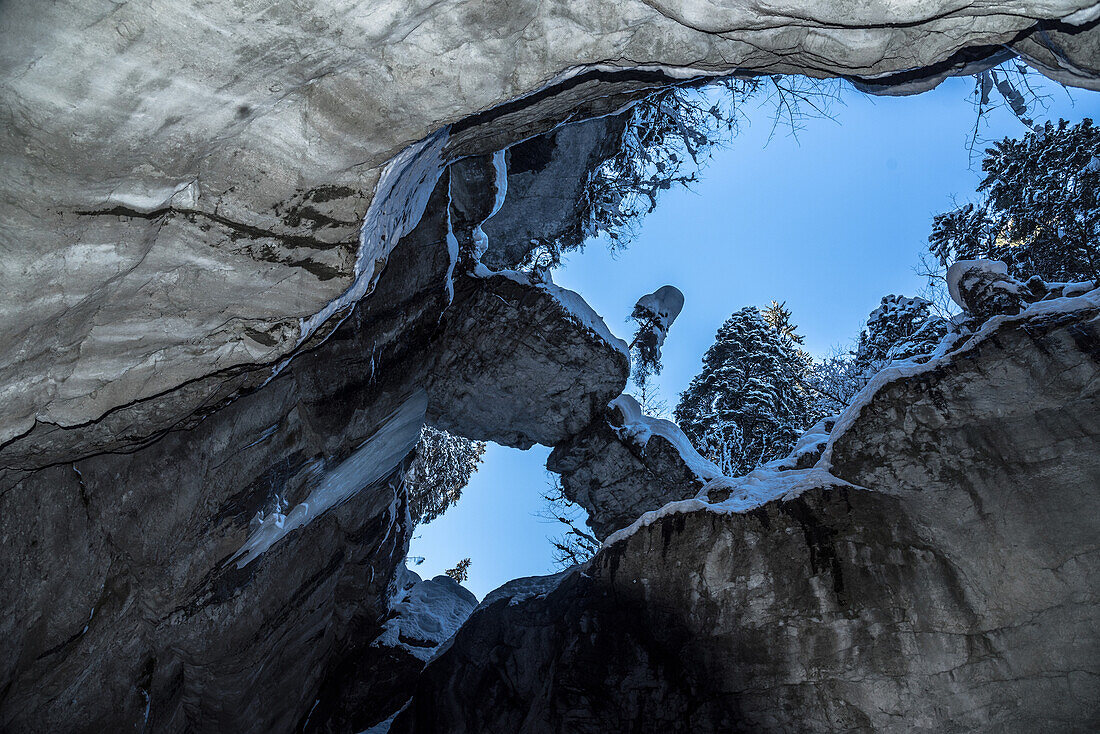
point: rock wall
(953, 590)
(185, 183)
(195, 193)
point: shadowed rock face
(125, 607)
(193, 193)
(953, 591)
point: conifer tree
(900, 328)
(440, 471)
(747, 406)
(1040, 212)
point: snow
(770, 482)
(637, 428)
(427, 613)
(573, 303)
(962, 268)
(399, 201)
(665, 304)
(746, 493)
(951, 347)
(529, 587)
(656, 311)
(369, 463)
(579, 311)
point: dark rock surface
(125, 608)
(196, 192)
(547, 176)
(954, 591)
(514, 366)
(615, 479)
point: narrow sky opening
(829, 222)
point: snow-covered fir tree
(1040, 211)
(747, 405)
(900, 328)
(439, 472)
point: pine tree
(778, 316)
(900, 328)
(747, 406)
(1041, 207)
(442, 468)
(461, 571)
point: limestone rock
(619, 467)
(187, 182)
(521, 363)
(954, 590)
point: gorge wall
(240, 248)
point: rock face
(195, 193)
(547, 176)
(503, 337)
(189, 585)
(187, 182)
(624, 464)
(953, 589)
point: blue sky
(829, 222)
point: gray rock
(953, 591)
(514, 365)
(186, 182)
(616, 480)
(547, 176)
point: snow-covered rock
(425, 614)
(932, 572)
(983, 288)
(192, 192)
(626, 463)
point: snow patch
(746, 493)
(369, 463)
(571, 302)
(399, 201)
(961, 270)
(427, 613)
(529, 587)
(637, 428)
(579, 311)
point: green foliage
(461, 571)
(441, 469)
(747, 406)
(1040, 211)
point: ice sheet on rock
(427, 613)
(637, 429)
(399, 201)
(500, 191)
(369, 463)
